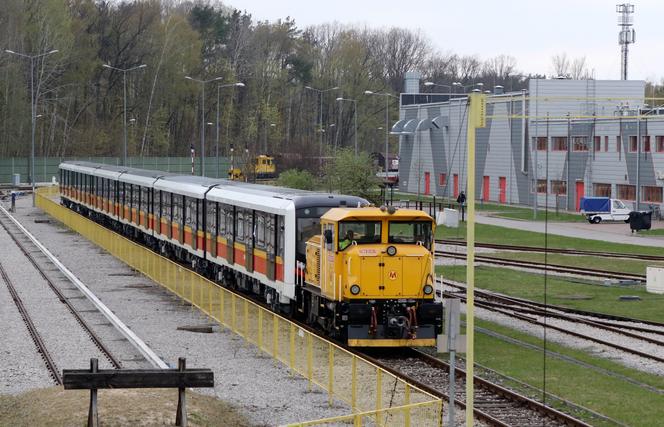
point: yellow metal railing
(375, 395)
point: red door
(486, 182)
(579, 193)
(456, 185)
(427, 183)
(502, 185)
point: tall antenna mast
(627, 34)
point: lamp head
(339, 99)
(369, 92)
(429, 83)
(239, 84)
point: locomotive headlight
(428, 289)
(391, 250)
(355, 289)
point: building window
(606, 143)
(633, 144)
(442, 179)
(618, 143)
(602, 190)
(559, 143)
(580, 143)
(541, 186)
(559, 188)
(646, 144)
(651, 194)
(659, 140)
(597, 143)
(626, 192)
(541, 143)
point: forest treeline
(80, 102)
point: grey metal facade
(580, 123)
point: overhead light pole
(33, 108)
(320, 118)
(387, 126)
(202, 83)
(238, 84)
(354, 101)
(124, 72)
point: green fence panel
(46, 168)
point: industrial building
(554, 143)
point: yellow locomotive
(371, 277)
(263, 168)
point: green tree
(295, 178)
(352, 174)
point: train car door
(271, 239)
(456, 185)
(502, 185)
(427, 183)
(486, 188)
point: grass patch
(56, 407)
(610, 396)
(485, 233)
(500, 210)
(603, 263)
(658, 232)
(563, 292)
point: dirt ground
(55, 406)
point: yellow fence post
(260, 329)
(406, 401)
(310, 367)
(357, 421)
(353, 393)
(233, 313)
(330, 374)
(291, 349)
(246, 320)
(275, 336)
(379, 392)
(221, 306)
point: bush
(295, 178)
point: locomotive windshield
(360, 232)
(410, 232)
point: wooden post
(93, 416)
(181, 415)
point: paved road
(614, 232)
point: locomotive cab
(373, 269)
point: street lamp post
(354, 101)
(238, 84)
(33, 108)
(203, 82)
(387, 127)
(124, 115)
(320, 118)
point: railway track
(553, 268)
(494, 404)
(518, 248)
(48, 272)
(531, 314)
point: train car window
(260, 230)
(270, 234)
(281, 228)
(410, 232)
(200, 223)
(189, 211)
(145, 199)
(239, 225)
(226, 221)
(308, 225)
(156, 202)
(211, 220)
(177, 209)
(360, 232)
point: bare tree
(561, 64)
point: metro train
(362, 274)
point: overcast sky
(531, 31)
